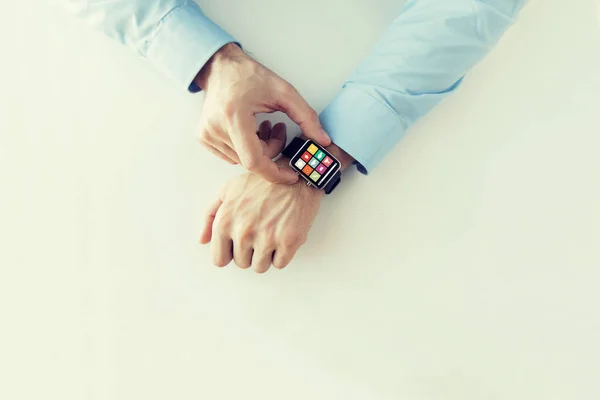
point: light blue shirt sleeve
(421, 59)
(174, 35)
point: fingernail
(325, 135)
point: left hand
(258, 223)
(236, 88)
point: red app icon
(327, 161)
(306, 156)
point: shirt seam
(478, 21)
(387, 106)
(160, 26)
(510, 17)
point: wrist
(344, 158)
(229, 54)
(301, 187)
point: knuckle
(247, 234)
(244, 236)
(229, 110)
(203, 135)
(245, 201)
(256, 68)
(284, 91)
(269, 238)
(287, 88)
(223, 223)
(293, 239)
(214, 123)
(268, 233)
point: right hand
(257, 223)
(237, 88)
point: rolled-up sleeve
(421, 58)
(174, 35)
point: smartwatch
(315, 164)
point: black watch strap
(333, 182)
(294, 147)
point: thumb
(294, 105)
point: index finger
(299, 111)
(250, 152)
(211, 213)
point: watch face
(315, 164)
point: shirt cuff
(185, 41)
(362, 126)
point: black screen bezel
(331, 171)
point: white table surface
(466, 267)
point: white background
(466, 267)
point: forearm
(432, 45)
(419, 61)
